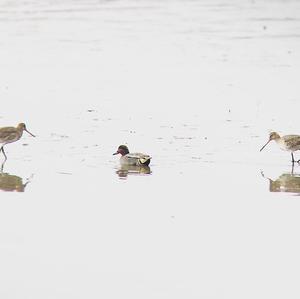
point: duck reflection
(287, 182)
(126, 170)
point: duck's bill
(29, 133)
(264, 146)
(115, 153)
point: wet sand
(198, 85)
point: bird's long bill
(29, 133)
(115, 153)
(264, 146)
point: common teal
(11, 134)
(134, 159)
(290, 143)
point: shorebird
(11, 134)
(290, 143)
(134, 159)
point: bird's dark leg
(2, 149)
(2, 166)
(293, 160)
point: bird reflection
(9, 182)
(287, 182)
(126, 170)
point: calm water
(198, 85)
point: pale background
(198, 85)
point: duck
(132, 159)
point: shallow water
(198, 85)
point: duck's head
(272, 136)
(123, 150)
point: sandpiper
(134, 159)
(290, 143)
(11, 134)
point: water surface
(198, 85)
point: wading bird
(290, 143)
(11, 134)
